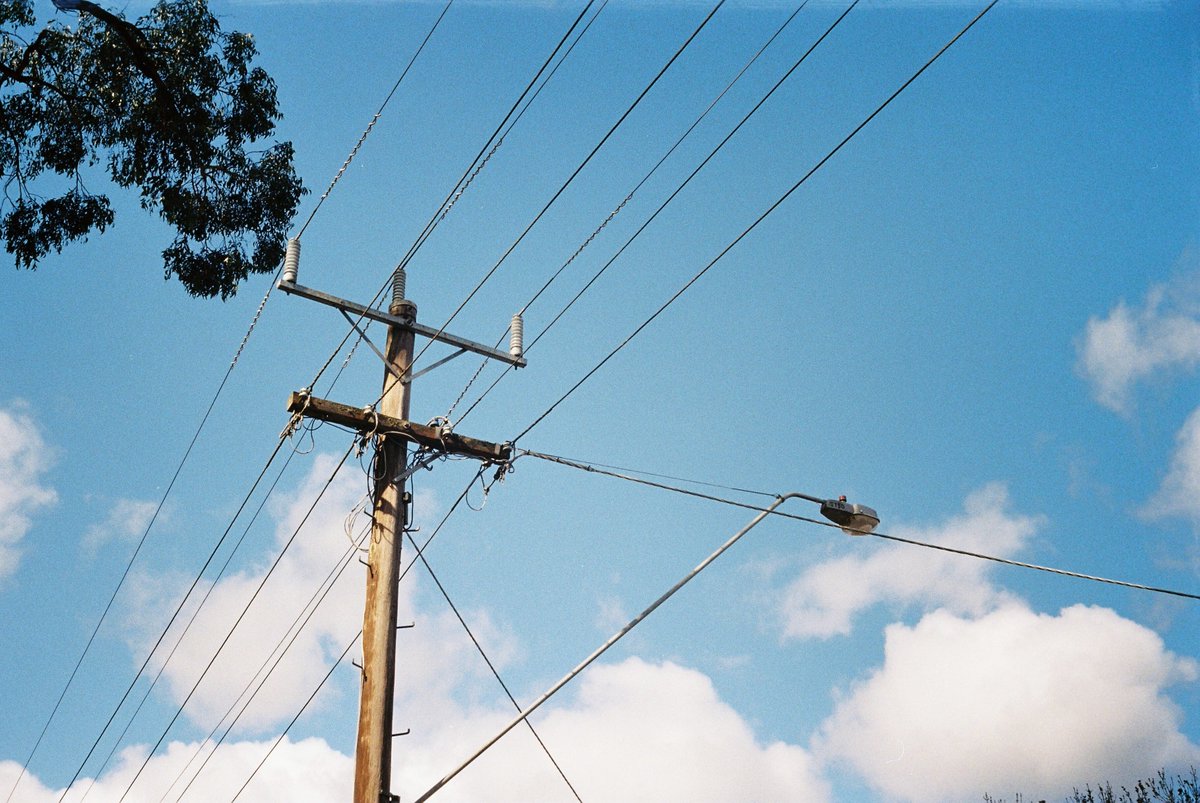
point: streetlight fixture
(852, 518)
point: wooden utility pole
(373, 754)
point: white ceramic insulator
(516, 345)
(291, 261)
(399, 279)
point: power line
(204, 419)
(546, 285)
(756, 223)
(374, 119)
(595, 469)
(295, 629)
(490, 665)
(245, 610)
(191, 620)
(476, 165)
(487, 276)
(178, 609)
(303, 708)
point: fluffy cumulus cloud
(296, 772)
(1014, 701)
(267, 615)
(823, 601)
(1179, 494)
(1133, 343)
(635, 731)
(24, 460)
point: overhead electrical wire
(476, 165)
(594, 468)
(674, 194)
(755, 224)
(692, 281)
(188, 625)
(200, 427)
(391, 380)
(420, 554)
(212, 555)
(495, 672)
(270, 663)
(240, 617)
(299, 713)
(612, 215)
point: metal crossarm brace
(367, 420)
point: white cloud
(1179, 494)
(127, 518)
(1013, 701)
(24, 459)
(636, 731)
(824, 600)
(296, 772)
(315, 551)
(1131, 344)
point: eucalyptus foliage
(169, 105)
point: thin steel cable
(590, 238)
(490, 665)
(593, 469)
(212, 555)
(487, 276)
(317, 690)
(756, 223)
(241, 616)
(295, 629)
(367, 131)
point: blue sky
(981, 317)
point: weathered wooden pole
(373, 754)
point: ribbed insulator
(291, 261)
(398, 280)
(516, 346)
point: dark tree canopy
(170, 105)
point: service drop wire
(603, 224)
(755, 224)
(241, 616)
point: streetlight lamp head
(852, 518)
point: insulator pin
(516, 346)
(291, 261)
